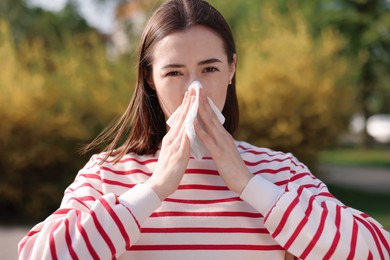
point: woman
(150, 199)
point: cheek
(218, 96)
(169, 99)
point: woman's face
(185, 56)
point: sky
(99, 16)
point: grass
(357, 157)
(374, 204)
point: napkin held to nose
(198, 150)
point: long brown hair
(142, 127)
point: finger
(183, 111)
(208, 119)
(186, 108)
(204, 137)
(205, 108)
(218, 142)
(178, 129)
(192, 91)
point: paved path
(9, 239)
(360, 178)
(363, 178)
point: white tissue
(198, 150)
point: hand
(221, 147)
(174, 154)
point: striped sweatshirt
(107, 213)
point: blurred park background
(313, 79)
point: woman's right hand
(174, 154)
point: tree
(366, 25)
(48, 112)
(31, 23)
(292, 86)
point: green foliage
(239, 13)
(292, 87)
(366, 27)
(379, 157)
(52, 102)
(29, 23)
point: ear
(232, 69)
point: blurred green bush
(51, 103)
(293, 88)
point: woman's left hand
(221, 147)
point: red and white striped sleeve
(310, 223)
(90, 224)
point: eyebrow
(203, 62)
(208, 61)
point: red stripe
(206, 247)
(91, 166)
(248, 163)
(31, 233)
(282, 183)
(84, 234)
(78, 201)
(89, 176)
(301, 224)
(205, 230)
(52, 242)
(135, 219)
(201, 187)
(25, 239)
(353, 240)
(301, 175)
(82, 186)
(269, 152)
(136, 160)
(103, 234)
(374, 235)
(201, 171)
(370, 256)
(384, 241)
(206, 214)
(326, 194)
(285, 215)
(203, 158)
(129, 172)
(117, 221)
(22, 244)
(316, 237)
(301, 165)
(117, 183)
(203, 201)
(61, 211)
(68, 240)
(96, 159)
(308, 186)
(87, 198)
(272, 171)
(336, 239)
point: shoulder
(249, 150)
(254, 154)
(275, 166)
(100, 162)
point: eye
(173, 74)
(210, 69)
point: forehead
(195, 43)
